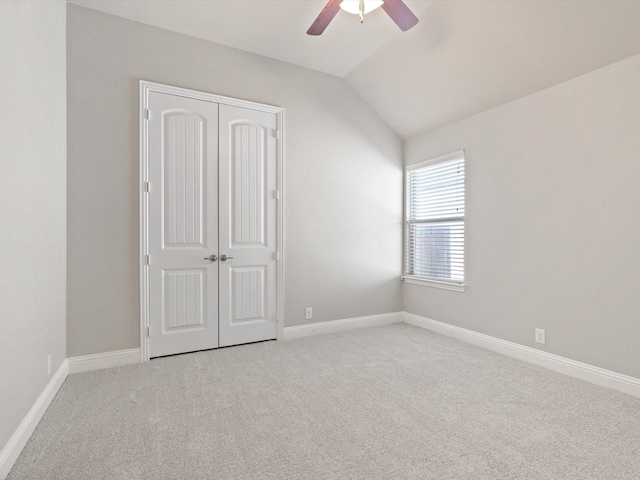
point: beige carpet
(394, 402)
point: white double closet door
(212, 225)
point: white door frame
(145, 89)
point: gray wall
(552, 228)
(32, 203)
(343, 177)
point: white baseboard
(99, 361)
(85, 363)
(21, 436)
(341, 325)
(583, 371)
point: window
(434, 206)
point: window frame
(453, 285)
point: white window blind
(435, 219)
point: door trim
(145, 89)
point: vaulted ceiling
(462, 58)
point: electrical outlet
(308, 313)
(49, 365)
(540, 336)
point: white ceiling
(273, 28)
(462, 58)
(466, 57)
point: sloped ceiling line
(462, 58)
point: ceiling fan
(396, 9)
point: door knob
(224, 258)
(213, 258)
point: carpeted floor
(393, 402)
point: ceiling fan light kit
(360, 6)
(396, 9)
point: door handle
(212, 258)
(224, 258)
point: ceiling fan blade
(400, 14)
(324, 19)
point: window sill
(456, 287)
